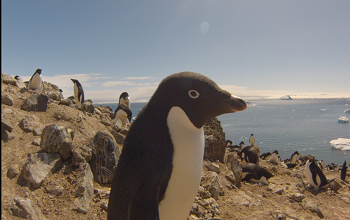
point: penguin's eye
(193, 94)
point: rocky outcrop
(84, 192)
(105, 156)
(214, 141)
(57, 139)
(25, 208)
(36, 102)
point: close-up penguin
(159, 169)
(35, 81)
(78, 92)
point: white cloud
(139, 78)
(118, 83)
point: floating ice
(340, 144)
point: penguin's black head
(197, 95)
(296, 152)
(17, 76)
(276, 152)
(75, 81)
(228, 142)
(252, 135)
(311, 159)
(38, 71)
(124, 95)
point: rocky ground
(57, 162)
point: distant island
(286, 97)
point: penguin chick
(159, 170)
(314, 174)
(35, 81)
(78, 92)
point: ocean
(304, 125)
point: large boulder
(7, 100)
(105, 156)
(215, 139)
(84, 192)
(36, 102)
(57, 139)
(25, 208)
(38, 168)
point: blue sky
(254, 49)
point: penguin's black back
(316, 171)
(250, 154)
(343, 171)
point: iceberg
(343, 119)
(340, 144)
(286, 97)
(347, 111)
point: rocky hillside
(57, 163)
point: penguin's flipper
(314, 175)
(144, 204)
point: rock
(117, 125)
(81, 155)
(84, 192)
(241, 198)
(54, 189)
(212, 167)
(211, 183)
(312, 207)
(297, 197)
(55, 95)
(39, 166)
(13, 171)
(25, 208)
(105, 156)
(105, 119)
(6, 122)
(215, 141)
(7, 79)
(29, 123)
(36, 103)
(6, 135)
(278, 190)
(230, 177)
(88, 107)
(7, 100)
(57, 139)
(117, 136)
(36, 142)
(67, 102)
(105, 109)
(98, 111)
(38, 130)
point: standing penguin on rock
(159, 170)
(35, 81)
(314, 174)
(123, 111)
(78, 92)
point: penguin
(35, 81)
(255, 173)
(229, 143)
(273, 158)
(249, 154)
(304, 158)
(78, 92)
(294, 157)
(123, 111)
(252, 140)
(20, 82)
(321, 164)
(264, 155)
(159, 169)
(314, 174)
(343, 171)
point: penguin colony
(159, 170)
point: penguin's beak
(236, 104)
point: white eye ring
(193, 94)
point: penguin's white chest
(185, 178)
(35, 83)
(76, 95)
(294, 158)
(123, 116)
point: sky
(253, 49)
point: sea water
(305, 125)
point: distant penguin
(274, 158)
(123, 111)
(294, 157)
(343, 171)
(249, 154)
(303, 158)
(35, 81)
(229, 143)
(159, 170)
(321, 164)
(255, 173)
(20, 82)
(264, 155)
(252, 140)
(314, 174)
(78, 92)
